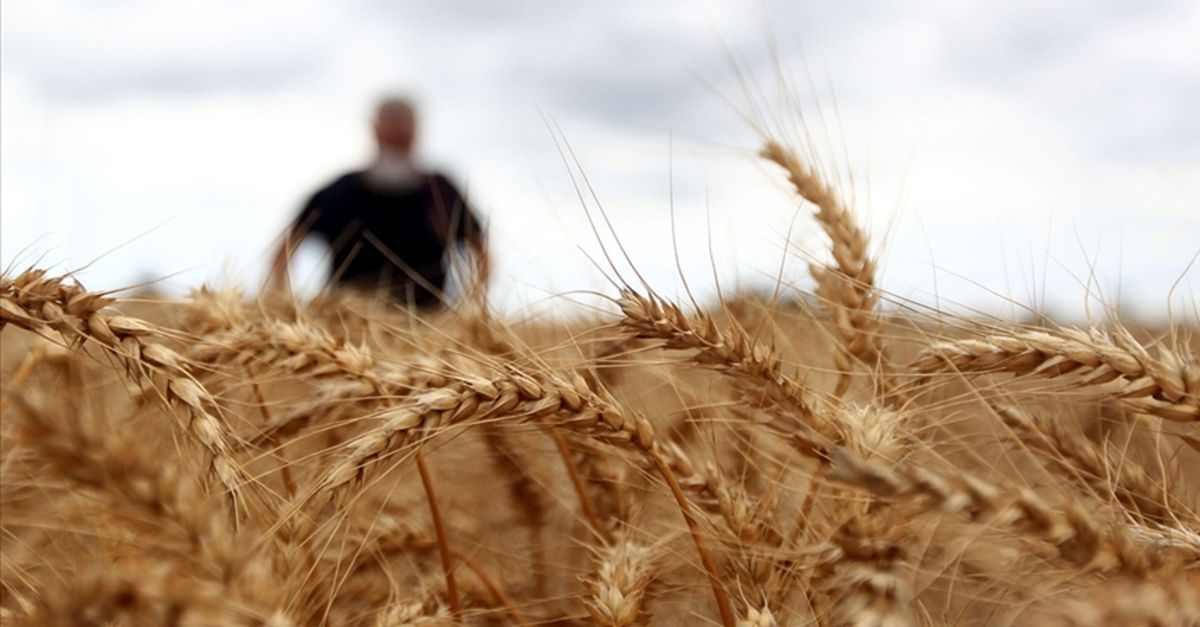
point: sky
(1003, 155)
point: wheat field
(796, 459)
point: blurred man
(391, 228)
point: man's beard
(393, 171)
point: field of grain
(794, 459)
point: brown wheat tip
(621, 582)
(757, 617)
(848, 286)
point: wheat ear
(758, 617)
(1173, 602)
(870, 587)
(621, 582)
(1101, 471)
(516, 394)
(90, 456)
(145, 594)
(1077, 538)
(1167, 386)
(34, 301)
(732, 352)
(847, 287)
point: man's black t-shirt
(393, 240)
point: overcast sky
(998, 149)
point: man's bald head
(395, 125)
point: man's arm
(465, 228)
(479, 253)
(471, 231)
(310, 220)
(278, 280)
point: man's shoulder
(347, 183)
(434, 175)
(439, 181)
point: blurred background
(1043, 153)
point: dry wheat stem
(710, 567)
(514, 610)
(392, 536)
(439, 527)
(585, 503)
(285, 468)
(744, 516)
